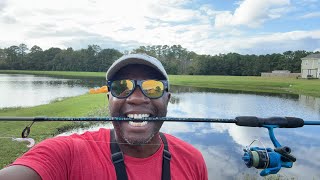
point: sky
(203, 26)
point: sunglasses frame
(135, 84)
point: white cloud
(146, 22)
(307, 3)
(3, 4)
(311, 15)
(218, 162)
(262, 43)
(252, 13)
(111, 24)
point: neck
(141, 150)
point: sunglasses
(152, 89)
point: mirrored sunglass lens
(121, 88)
(153, 88)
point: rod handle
(282, 122)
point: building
(310, 66)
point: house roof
(313, 56)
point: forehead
(138, 71)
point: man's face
(137, 104)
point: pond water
(221, 144)
(29, 90)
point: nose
(137, 97)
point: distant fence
(280, 74)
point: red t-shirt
(88, 157)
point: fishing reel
(268, 159)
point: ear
(168, 97)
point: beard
(138, 142)
(137, 139)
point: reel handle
(285, 152)
(281, 122)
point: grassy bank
(84, 105)
(243, 83)
(252, 84)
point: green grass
(242, 83)
(252, 84)
(84, 105)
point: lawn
(84, 105)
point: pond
(29, 90)
(222, 144)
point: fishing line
(96, 141)
(265, 150)
(31, 141)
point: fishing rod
(271, 160)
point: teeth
(138, 124)
(138, 116)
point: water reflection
(221, 144)
(30, 90)
(311, 102)
(185, 89)
(198, 102)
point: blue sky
(202, 26)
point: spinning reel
(268, 159)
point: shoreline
(275, 85)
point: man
(138, 88)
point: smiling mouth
(138, 116)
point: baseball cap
(135, 59)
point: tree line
(176, 60)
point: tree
(35, 59)
(91, 53)
(48, 56)
(175, 59)
(22, 53)
(106, 57)
(12, 54)
(3, 57)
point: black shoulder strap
(118, 158)
(165, 159)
